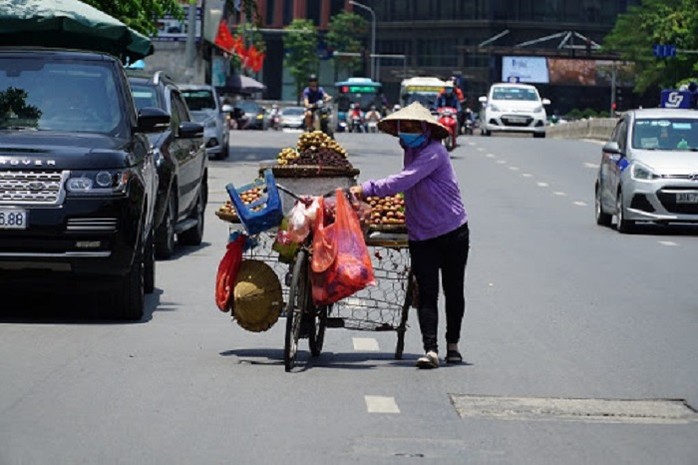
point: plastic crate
(265, 212)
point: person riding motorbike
(356, 118)
(372, 118)
(448, 98)
(275, 117)
(311, 96)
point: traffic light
(619, 98)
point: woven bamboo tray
(230, 217)
(309, 171)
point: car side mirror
(151, 119)
(482, 99)
(612, 147)
(227, 108)
(190, 130)
(545, 101)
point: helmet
(312, 78)
(449, 84)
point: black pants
(448, 254)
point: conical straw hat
(413, 112)
(257, 297)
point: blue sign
(672, 98)
(664, 51)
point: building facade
(465, 38)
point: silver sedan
(649, 169)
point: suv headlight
(211, 123)
(104, 182)
(641, 172)
(538, 109)
(494, 107)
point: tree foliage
(139, 15)
(345, 33)
(667, 22)
(300, 43)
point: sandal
(453, 356)
(428, 360)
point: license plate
(516, 119)
(687, 197)
(13, 218)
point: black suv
(181, 161)
(77, 176)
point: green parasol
(69, 24)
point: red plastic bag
(341, 264)
(227, 272)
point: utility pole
(191, 35)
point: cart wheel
(403, 319)
(317, 337)
(298, 294)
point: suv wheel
(128, 297)
(165, 233)
(195, 235)
(149, 265)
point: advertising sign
(525, 69)
(172, 29)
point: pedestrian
(437, 224)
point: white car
(649, 169)
(205, 108)
(513, 108)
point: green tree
(300, 42)
(345, 33)
(139, 15)
(670, 22)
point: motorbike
(322, 114)
(275, 121)
(448, 116)
(467, 127)
(356, 123)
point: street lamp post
(373, 34)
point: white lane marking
(514, 168)
(471, 143)
(560, 193)
(501, 162)
(490, 155)
(527, 175)
(480, 149)
(365, 344)
(590, 165)
(579, 203)
(381, 404)
(669, 243)
(542, 184)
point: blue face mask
(412, 140)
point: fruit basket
(387, 214)
(263, 212)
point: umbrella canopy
(69, 24)
(239, 84)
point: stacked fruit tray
(315, 155)
(227, 212)
(387, 213)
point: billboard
(172, 29)
(566, 71)
(525, 69)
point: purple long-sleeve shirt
(433, 204)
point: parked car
(78, 182)
(253, 115)
(649, 169)
(513, 108)
(181, 163)
(206, 108)
(293, 117)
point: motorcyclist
(311, 96)
(275, 116)
(448, 98)
(355, 114)
(372, 118)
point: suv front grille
(667, 196)
(35, 187)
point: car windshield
(665, 134)
(144, 96)
(514, 93)
(65, 96)
(198, 100)
(295, 111)
(248, 106)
